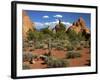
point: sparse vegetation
(78, 48)
(25, 66)
(70, 48)
(73, 54)
(50, 41)
(28, 56)
(53, 62)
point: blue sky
(44, 18)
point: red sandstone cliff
(27, 24)
(79, 26)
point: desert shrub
(43, 57)
(54, 45)
(46, 54)
(82, 43)
(53, 62)
(34, 35)
(75, 43)
(62, 26)
(31, 49)
(72, 35)
(87, 45)
(69, 48)
(60, 47)
(78, 48)
(81, 37)
(45, 46)
(73, 54)
(38, 46)
(25, 66)
(28, 56)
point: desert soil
(84, 60)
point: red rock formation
(60, 26)
(27, 24)
(79, 26)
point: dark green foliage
(46, 54)
(60, 35)
(43, 57)
(72, 35)
(47, 31)
(62, 26)
(30, 35)
(81, 37)
(73, 54)
(34, 35)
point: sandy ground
(76, 62)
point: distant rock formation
(59, 26)
(79, 26)
(27, 24)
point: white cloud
(47, 23)
(58, 16)
(40, 25)
(45, 16)
(67, 24)
(53, 24)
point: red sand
(82, 60)
(76, 62)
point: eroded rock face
(79, 26)
(27, 24)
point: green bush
(34, 35)
(53, 62)
(70, 48)
(73, 54)
(43, 57)
(47, 31)
(85, 44)
(60, 47)
(72, 35)
(38, 46)
(46, 54)
(82, 43)
(25, 66)
(79, 48)
(28, 56)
